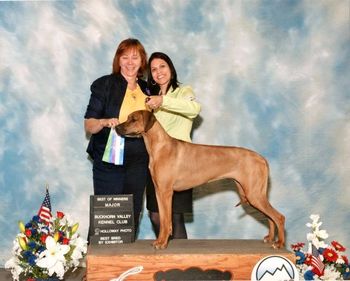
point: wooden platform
(236, 257)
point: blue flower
(32, 260)
(30, 257)
(29, 225)
(31, 244)
(36, 218)
(346, 274)
(26, 254)
(321, 250)
(300, 257)
(41, 248)
(309, 275)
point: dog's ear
(148, 120)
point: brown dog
(178, 165)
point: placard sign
(111, 219)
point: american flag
(45, 208)
(316, 262)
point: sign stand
(111, 219)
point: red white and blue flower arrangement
(321, 261)
(46, 247)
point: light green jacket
(177, 112)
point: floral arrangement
(46, 247)
(321, 261)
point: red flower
(30, 279)
(43, 238)
(60, 215)
(330, 255)
(28, 232)
(338, 246)
(345, 259)
(297, 246)
(308, 259)
(65, 241)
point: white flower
(16, 247)
(315, 224)
(53, 257)
(16, 270)
(330, 273)
(13, 263)
(321, 244)
(56, 258)
(80, 248)
(311, 237)
(317, 233)
(314, 218)
(316, 238)
(80, 243)
(67, 221)
(322, 234)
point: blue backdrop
(272, 76)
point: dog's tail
(241, 193)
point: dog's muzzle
(122, 132)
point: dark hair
(126, 45)
(154, 88)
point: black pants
(129, 178)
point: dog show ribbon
(114, 150)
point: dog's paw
(278, 245)
(159, 245)
(268, 239)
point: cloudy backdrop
(272, 76)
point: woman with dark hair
(175, 108)
(113, 98)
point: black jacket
(107, 94)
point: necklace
(133, 95)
